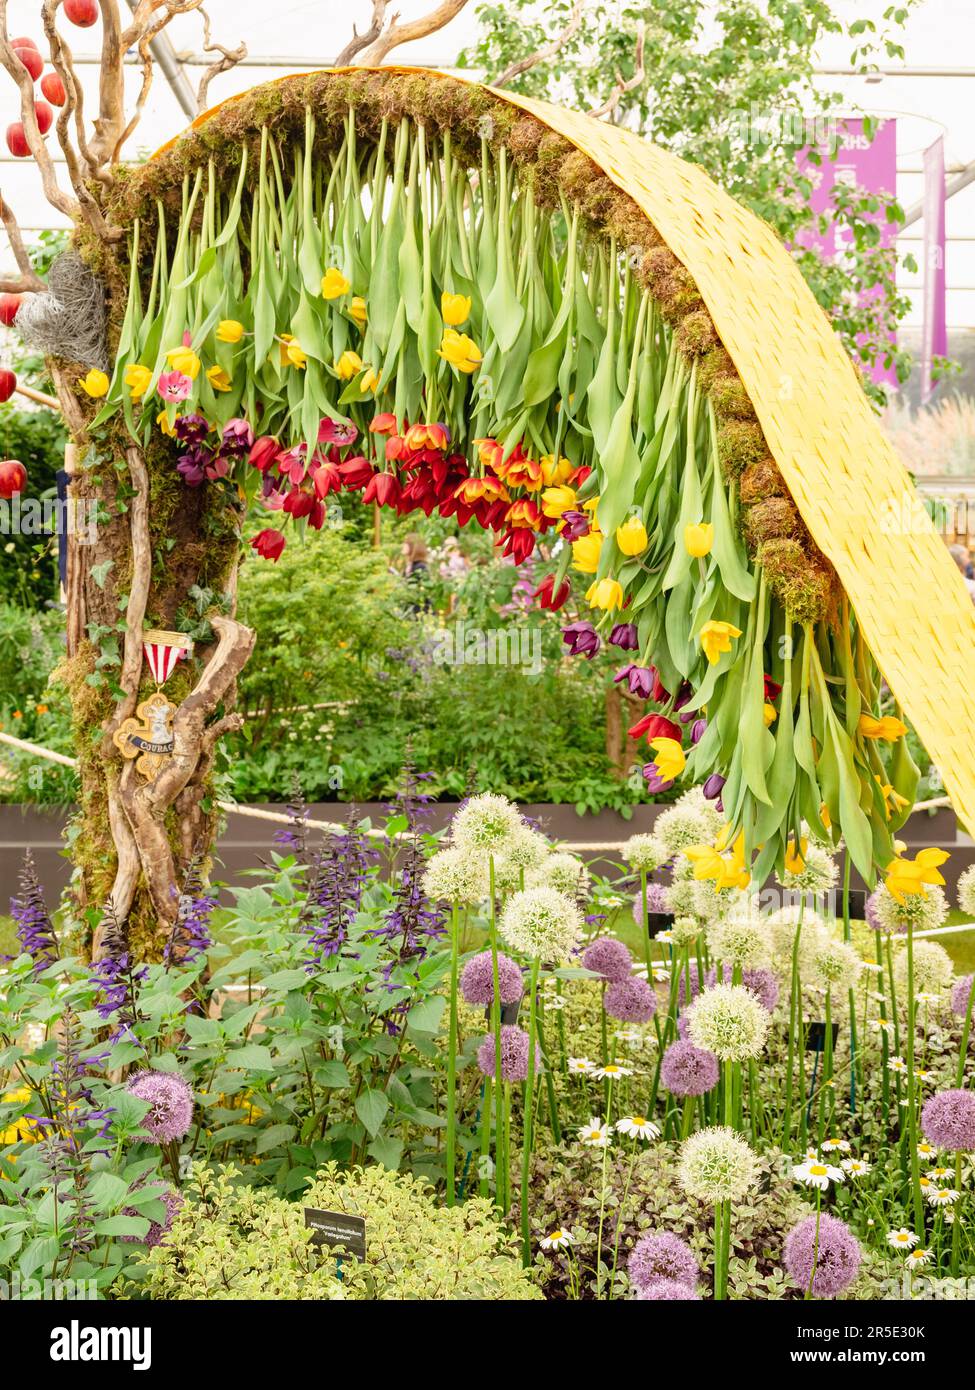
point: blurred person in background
(962, 558)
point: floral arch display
(453, 299)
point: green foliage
(230, 1241)
(29, 563)
(31, 644)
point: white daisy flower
(612, 1071)
(558, 1239)
(817, 1174)
(637, 1127)
(925, 1150)
(856, 1167)
(872, 967)
(842, 1145)
(595, 1135)
(882, 1025)
(897, 1064)
(582, 1065)
(665, 936)
(902, 1239)
(942, 1196)
(661, 973)
(928, 998)
(918, 1257)
(629, 1035)
(936, 1173)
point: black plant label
(338, 1230)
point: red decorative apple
(17, 140)
(9, 304)
(81, 12)
(53, 89)
(13, 478)
(30, 58)
(24, 43)
(8, 384)
(45, 116)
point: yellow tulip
(370, 380)
(715, 638)
(334, 283)
(906, 877)
(185, 360)
(556, 500)
(218, 378)
(605, 593)
(95, 383)
(632, 537)
(585, 553)
(454, 308)
(795, 856)
(825, 816)
(698, 539)
(292, 353)
(891, 796)
(162, 420)
(769, 713)
(889, 729)
(357, 309)
(460, 351)
(229, 331)
(555, 470)
(348, 365)
(137, 379)
(669, 761)
(709, 864)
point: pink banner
(866, 162)
(934, 331)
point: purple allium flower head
(608, 957)
(581, 640)
(836, 1256)
(662, 1256)
(689, 1070)
(870, 911)
(763, 983)
(631, 1000)
(667, 1290)
(683, 1024)
(948, 1120)
(624, 636)
(172, 1201)
(639, 680)
(713, 786)
(698, 729)
(960, 992)
(656, 903)
(477, 979)
(170, 1103)
(514, 1054)
(574, 525)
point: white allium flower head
(818, 875)
(565, 873)
(919, 911)
(688, 897)
(542, 922)
(527, 849)
(685, 931)
(933, 968)
(782, 929)
(644, 852)
(716, 1165)
(836, 964)
(690, 821)
(456, 877)
(742, 937)
(729, 1021)
(966, 891)
(486, 824)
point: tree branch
(622, 84)
(398, 34)
(28, 279)
(360, 41)
(230, 58)
(548, 50)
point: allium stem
(528, 1119)
(486, 1138)
(912, 1089)
(884, 1040)
(646, 924)
(452, 1061)
(793, 1004)
(500, 1176)
(815, 1258)
(965, 1034)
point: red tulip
(518, 543)
(8, 384)
(264, 452)
(382, 488)
(84, 13)
(9, 304)
(298, 503)
(29, 56)
(13, 478)
(45, 116)
(547, 599)
(655, 726)
(268, 543)
(17, 140)
(356, 472)
(53, 89)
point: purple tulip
(697, 730)
(575, 525)
(581, 640)
(638, 678)
(624, 636)
(653, 779)
(712, 787)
